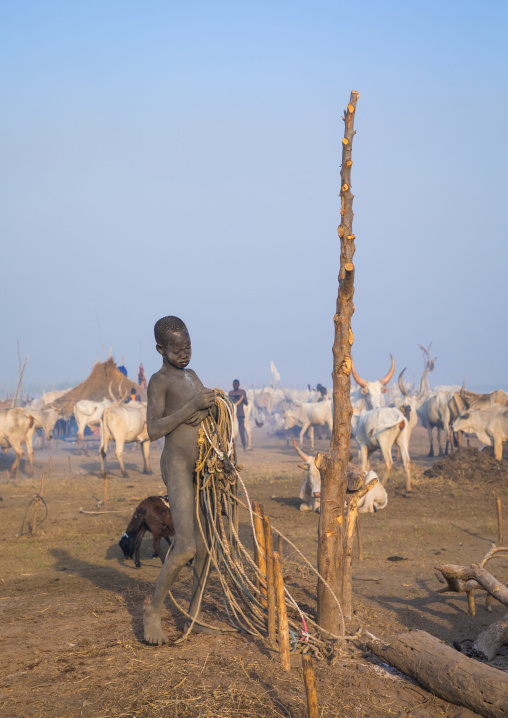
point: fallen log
(446, 672)
(489, 641)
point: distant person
(239, 399)
(323, 391)
(133, 396)
(142, 378)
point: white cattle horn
(401, 385)
(422, 383)
(300, 452)
(384, 381)
(356, 377)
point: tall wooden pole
(333, 466)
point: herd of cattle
(375, 425)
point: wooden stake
(333, 563)
(280, 549)
(499, 522)
(37, 502)
(270, 584)
(106, 491)
(310, 685)
(359, 537)
(471, 608)
(260, 552)
(281, 613)
(50, 467)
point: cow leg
(302, 432)
(364, 456)
(137, 545)
(440, 453)
(102, 453)
(311, 436)
(387, 456)
(498, 449)
(145, 450)
(406, 460)
(119, 455)
(429, 432)
(248, 431)
(14, 468)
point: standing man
(239, 399)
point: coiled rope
(242, 583)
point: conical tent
(105, 379)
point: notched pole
(333, 542)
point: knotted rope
(242, 583)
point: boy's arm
(159, 425)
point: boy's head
(173, 341)
(236, 384)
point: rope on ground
(242, 583)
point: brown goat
(153, 515)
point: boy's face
(177, 349)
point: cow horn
(422, 383)
(401, 385)
(300, 452)
(110, 392)
(384, 381)
(356, 377)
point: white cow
(409, 404)
(310, 492)
(88, 413)
(435, 413)
(124, 424)
(308, 416)
(490, 426)
(381, 429)
(44, 419)
(371, 391)
(15, 426)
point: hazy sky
(184, 158)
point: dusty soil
(71, 627)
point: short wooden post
(106, 491)
(37, 502)
(280, 549)
(359, 537)
(281, 613)
(50, 467)
(499, 522)
(471, 608)
(310, 685)
(270, 584)
(260, 552)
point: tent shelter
(103, 377)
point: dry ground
(71, 606)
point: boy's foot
(153, 628)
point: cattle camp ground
(72, 605)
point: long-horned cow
(308, 416)
(310, 493)
(125, 424)
(410, 403)
(371, 391)
(88, 413)
(381, 429)
(15, 426)
(490, 426)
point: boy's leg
(200, 568)
(181, 500)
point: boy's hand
(204, 400)
(197, 418)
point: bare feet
(153, 628)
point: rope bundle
(242, 582)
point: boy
(177, 404)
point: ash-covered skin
(177, 404)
